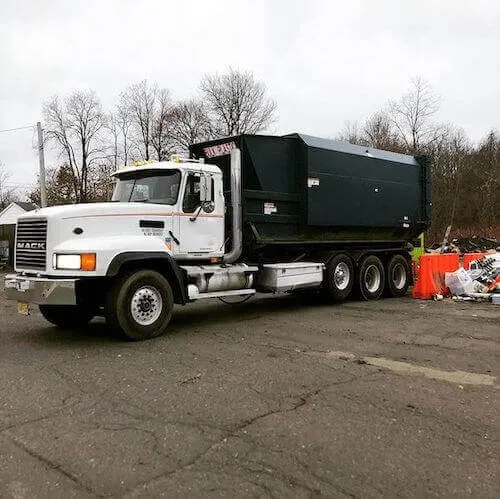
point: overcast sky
(324, 61)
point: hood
(90, 210)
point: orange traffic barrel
(431, 271)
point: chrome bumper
(40, 290)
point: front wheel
(66, 316)
(140, 305)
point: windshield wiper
(132, 191)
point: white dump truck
(243, 215)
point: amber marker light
(88, 261)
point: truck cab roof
(181, 164)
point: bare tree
(101, 182)
(378, 132)
(352, 134)
(114, 135)
(145, 106)
(124, 124)
(189, 124)
(74, 126)
(237, 103)
(7, 194)
(160, 134)
(412, 115)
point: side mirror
(206, 189)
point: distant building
(8, 220)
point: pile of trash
(480, 282)
(475, 244)
(462, 245)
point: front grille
(31, 243)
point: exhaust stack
(237, 246)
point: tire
(140, 305)
(66, 316)
(371, 278)
(398, 276)
(339, 276)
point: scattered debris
(475, 244)
(462, 245)
(192, 379)
(481, 282)
(459, 282)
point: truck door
(201, 223)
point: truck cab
(191, 222)
(160, 240)
(171, 207)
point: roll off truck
(242, 215)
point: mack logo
(28, 245)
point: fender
(179, 286)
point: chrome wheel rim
(372, 278)
(342, 276)
(146, 305)
(399, 276)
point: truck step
(195, 295)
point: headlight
(84, 261)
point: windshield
(148, 187)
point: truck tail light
(88, 261)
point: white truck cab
(183, 204)
(158, 242)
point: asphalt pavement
(278, 397)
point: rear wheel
(371, 278)
(398, 276)
(339, 276)
(140, 305)
(66, 316)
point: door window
(192, 194)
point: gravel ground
(278, 397)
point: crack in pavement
(54, 466)
(156, 447)
(234, 432)
(273, 471)
(54, 411)
(246, 423)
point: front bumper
(40, 290)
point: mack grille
(31, 243)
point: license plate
(23, 308)
(22, 286)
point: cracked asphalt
(278, 397)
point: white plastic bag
(459, 282)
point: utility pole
(41, 159)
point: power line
(18, 128)
(19, 184)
